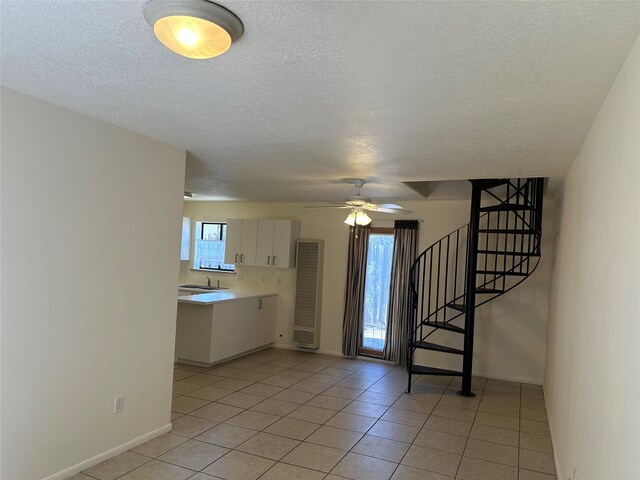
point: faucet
(209, 282)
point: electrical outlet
(118, 404)
(264, 279)
(279, 280)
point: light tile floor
(281, 414)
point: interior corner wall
(91, 219)
(592, 383)
(511, 331)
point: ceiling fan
(358, 204)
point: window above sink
(209, 245)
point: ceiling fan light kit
(358, 204)
(358, 217)
(196, 29)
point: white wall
(91, 218)
(511, 331)
(592, 383)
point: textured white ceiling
(317, 91)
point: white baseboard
(376, 360)
(553, 442)
(90, 462)
(507, 378)
(224, 360)
(288, 346)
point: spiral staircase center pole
(470, 292)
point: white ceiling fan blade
(359, 203)
(381, 209)
(327, 206)
(391, 206)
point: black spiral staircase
(496, 251)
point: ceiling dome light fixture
(196, 29)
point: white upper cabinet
(264, 249)
(249, 242)
(240, 245)
(285, 235)
(263, 243)
(276, 243)
(233, 243)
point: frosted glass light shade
(196, 29)
(192, 37)
(351, 219)
(362, 219)
(358, 218)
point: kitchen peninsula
(216, 326)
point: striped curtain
(354, 295)
(398, 314)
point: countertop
(219, 296)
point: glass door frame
(367, 352)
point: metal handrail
(527, 191)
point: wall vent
(306, 323)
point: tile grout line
(385, 385)
(472, 423)
(425, 422)
(519, 433)
(278, 461)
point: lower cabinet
(210, 333)
(266, 320)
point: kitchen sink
(203, 287)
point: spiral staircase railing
(491, 255)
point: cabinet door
(233, 243)
(193, 333)
(264, 248)
(222, 334)
(232, 330)
(285, 235)
(246, 325)
(265, 323)
(248, 242)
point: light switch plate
(118, 404)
